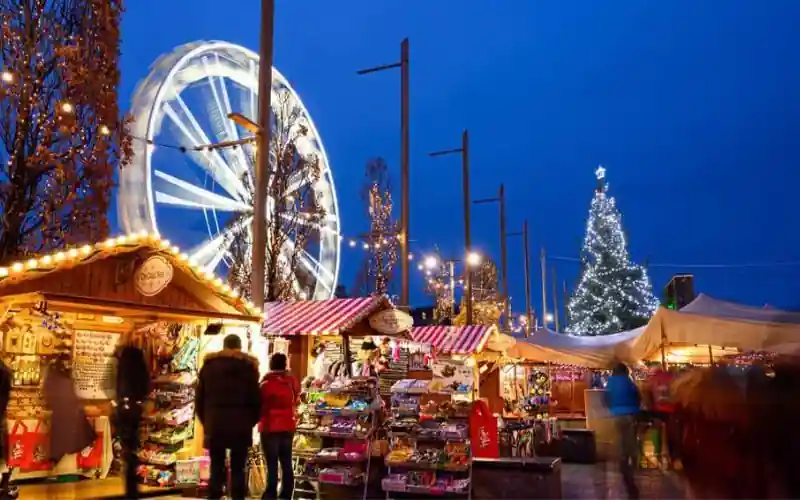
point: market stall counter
(73, 310)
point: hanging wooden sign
(153, 276)
(391, 321)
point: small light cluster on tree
(380, 242)
(294, 212)
(613, 293)
(61, 137)
(486, 304)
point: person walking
(664, 410)
(133, 385)
(7, 491)
(624, 404)
(228, 404)
(280, 395)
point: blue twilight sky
(693, 106)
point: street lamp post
(262, 156)
(501, 199)
(527, 271)
(405, 185)
(464, 150)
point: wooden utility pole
(501, 200)
(259, 252)
(405, 183)
(554, 283)
(543, 262)
(527, 271)
(464, 151)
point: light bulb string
(788, 263)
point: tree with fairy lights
(381, 241)
(61, 137)
(486, 305)
(294, 211)
(613, 293)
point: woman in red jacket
(280, 394)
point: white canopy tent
(705, 328)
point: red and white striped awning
(454, 339)
(319, 317)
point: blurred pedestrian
(624, 405)
(70, 428)
(740, 439)
(6, 490)
(663, 407)
(280, 395)
(228, 405)
(133, 386)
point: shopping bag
(91, 457)
(16, 444)
(37, 443)
(483, 431)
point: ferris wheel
(202, 198)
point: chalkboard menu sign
(93, 366)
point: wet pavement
(593, 482)
(584, 482)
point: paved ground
(585, 482)
(593, 482)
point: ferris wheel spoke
(213, 250)
(213, 163)
(322, 275)
(254, 74)
(297, 181)
(292, 219)
(192, 196)
(223, 102)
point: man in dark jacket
(133, 382)
(228, 405)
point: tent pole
(710, 355)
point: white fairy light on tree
(613, 293)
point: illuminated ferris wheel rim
(184, 70)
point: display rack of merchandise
(333, 441)
(169, 416)
(430, 450)
(537, 404)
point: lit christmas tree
(613, 293)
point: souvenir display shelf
(429, 445)
(169, 420)
(333, 442)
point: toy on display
(335, 432)
(430, 450)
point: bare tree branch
(295, 214)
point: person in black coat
(133, 385)
(228, 404)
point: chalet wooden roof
(19, 273)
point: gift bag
(483, 431)
(37, 443)
(91, 457)
(16, 445)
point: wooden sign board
(391, 322)
(153, 276)
(94, 364)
